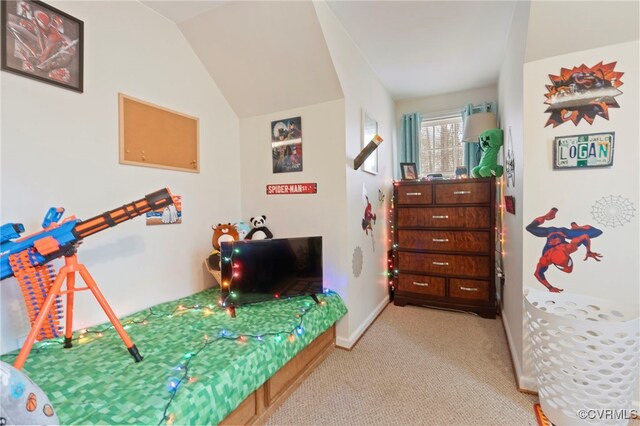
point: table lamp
(476, 124)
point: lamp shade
(476, 124)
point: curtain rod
(436, 115)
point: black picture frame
(409, 171)
(42, 43)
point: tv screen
(258, 270)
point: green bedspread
(199, 363)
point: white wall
(297, 215)
(446, 102)
(368, 292)
(60, 148)
(575, 192)
(549, 26)
(510, 105)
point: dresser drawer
(415, 194)
(463, 193)
(422, 284)
(444, 217)
(469, 289)
(462, 241)
(445, 264)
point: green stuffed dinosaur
(490, 143)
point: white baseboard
(347, 343)
(525, 383)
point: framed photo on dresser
(409, 171)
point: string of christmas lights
(391, 271)
(226, 285)
(242, 338)
(225, 303)
(175, 383)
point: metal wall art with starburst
(582, 93)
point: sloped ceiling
(264, 56)
(426, 48)
(268, 56)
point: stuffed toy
(259, 231)
(224, 232)
(221, 232)
(490, 143)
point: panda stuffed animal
(258, 231)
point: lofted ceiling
(425, 48)
(268, 56)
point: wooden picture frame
(409, 171)
(154, 136)
(369, 129)
(42, 43)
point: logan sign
(592, 150)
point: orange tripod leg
(37, 325)
(71, 287)
(88, 279)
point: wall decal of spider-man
(369, 217)
(561, 242)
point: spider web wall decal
(613, 211)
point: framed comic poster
(577, 151)
(42, 43)
(286, 145)
(369, 131)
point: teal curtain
(471, 150)
(410, 139)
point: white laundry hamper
(586, 356)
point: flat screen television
(258, 270)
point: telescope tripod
(68, 273)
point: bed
(200, 365)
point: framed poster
(369, 131)
(43, 43)
(577, 151)
(286, 145)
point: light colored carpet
(415, 366)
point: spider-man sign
(561, 243)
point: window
(441, 147)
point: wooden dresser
(444, 244)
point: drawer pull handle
(413, 193)
(468, 289)
(461, 192)
(421, 284)
(440, 240)
(440, 217)
(441, 263)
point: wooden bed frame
(263, 402)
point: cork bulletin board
(154, 136)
